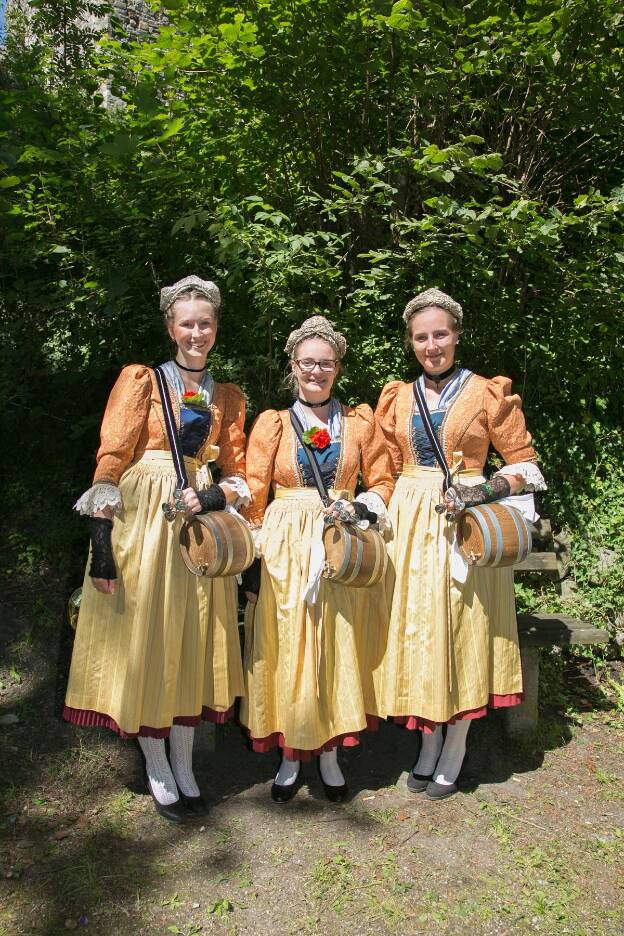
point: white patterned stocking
(159, 776)
(181, 754)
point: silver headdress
(169, 294)
(317, 327)
(433, 297)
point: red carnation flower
(321, 439)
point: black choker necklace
(438, 378)
(193, 370)
(315, 405)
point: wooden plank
(538, 562)
(547, 630)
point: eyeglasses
(307, 365)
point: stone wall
(136, 16)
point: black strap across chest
(172, 430)
(314, 465)
(438, 451)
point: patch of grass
(383, 816)
(607, 850)
(83, 882)
(172, 902)
(280, 854)
(221, 908)
(332, 882)
(85, 765)
(116, 812)
(603, 776)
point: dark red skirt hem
(351, 739)
(416, 723)
(89, 719)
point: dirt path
(534, 843)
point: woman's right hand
(251, 581)
(106, 586)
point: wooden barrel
(216, 543)
(493, 535)
(353, 556)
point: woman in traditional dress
(452, 646)
(311, 645)
(157, 648)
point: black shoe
(417, 783)
(436, 791)
(335, 794)
(196, 805)
(282, 793)
(174, 812)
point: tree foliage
(318, 156)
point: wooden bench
(544, 630)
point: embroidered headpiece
(169, 294)
(317, 327)
(433, 297)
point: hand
(340, 510)
(106, 586)
(191, 500)
(251, 597)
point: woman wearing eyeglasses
(311, 645)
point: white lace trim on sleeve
(239, 486)
(375, 504)
(533, 477)
(97, 498)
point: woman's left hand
(338, 508)
(191, 501)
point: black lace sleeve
(102, 562)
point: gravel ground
(533, 843)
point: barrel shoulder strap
(172, 431)
(438, 451)
(309, 452)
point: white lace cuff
(533, 477)
(239, 486)
(97, 498)
(375, 504)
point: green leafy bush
(318, 156)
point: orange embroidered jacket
(272, 457)
(485, 411)
(133, 422)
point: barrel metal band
(358, 558)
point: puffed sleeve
(126, 413)
(506, 425)
(264, 439)
(385, 416)
(231, 441)
(375, 458)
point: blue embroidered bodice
(327, 459)
(194, 429)
(420, 439)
